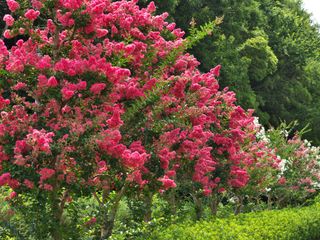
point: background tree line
(268, 51)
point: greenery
(296, 223)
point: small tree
(298, 178)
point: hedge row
(295, 224)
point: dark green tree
(3, 10)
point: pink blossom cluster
(13, 5)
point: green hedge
(295, 224)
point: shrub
(297, 223)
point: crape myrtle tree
(101, 101)
(298, 179)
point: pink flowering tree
(262, 166)
(70, 94)
(245, 165)
(220, 164)
(299, 174)
(227, 156)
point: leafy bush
(297, 223)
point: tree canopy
(266, 49)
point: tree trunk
(214, 205)
(108, 224)
(148, 205)
(269, 202)
(239, 205)
(57, 206)
(110, 214)
(280, 201)
(198, 207)
(172, 202)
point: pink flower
(282, 180)
(19, 86)
(12, 195)
(47, 187)
(311, 190)
(36, 4)
(181, 65)
(40, 140)
(21, 31)
(82, 85)
(21, 147)
(98, 7)
(207, 192)
(151, 7)
(42, 80)
(13, 5)
(167, 182)
(101, 32)
(137, 146)
(97, 88)
(136, 176)
(7, 34)
(4, 179)
(216, 71)
(102, 167)
(193, 130)
(171, 173)
(171, 27)
(8, 19)
(65, 19)
(28, 184)
(134, 159)
(46, 173)
(3, 102)
(132, 91)
(165, 157)
(52, 82)
(178, 33)
(115, 120)
(3, 156)
(66, 109)
(45, 62)
(240, 177)
(71, 4)
(31, 14)
(66, 93)
(13, 183)
(50, 25)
